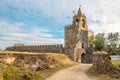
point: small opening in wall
(82, 45)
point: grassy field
(116, 63)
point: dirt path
(77, 72)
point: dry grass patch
(49, 63)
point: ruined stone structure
(76, 40)
(37, 48)
(102, 64)
(76, 37)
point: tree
(99, 42)
(113, 39)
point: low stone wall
(102, 64)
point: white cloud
(106, 11)
(15, 33)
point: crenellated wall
(37, 48)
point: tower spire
(79, 10)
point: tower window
(77, 22)
(82, 45)
(83, 23)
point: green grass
(116, 63)
(14, 73)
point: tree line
(109, 42)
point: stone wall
(84, 37)
(70, 40)
(70, 36)
(89, 55)
(69, 52)
(75, 42)
(37, 48)
(102, 64)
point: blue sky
(43, 21)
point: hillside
(35, 68)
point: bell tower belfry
(79, 20)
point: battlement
(37, 48)
(19, 44)
(69, 27)
(41, 46)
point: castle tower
(76, 36)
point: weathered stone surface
(102, 64)
(89, 55)
(37, 48)
(84, 55)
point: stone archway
(79, 55)
(83, 58)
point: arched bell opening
(77, 22)
(83, 23)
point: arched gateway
(83, 58)
(80, 55)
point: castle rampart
(37, 48)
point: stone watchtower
(76, 37)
